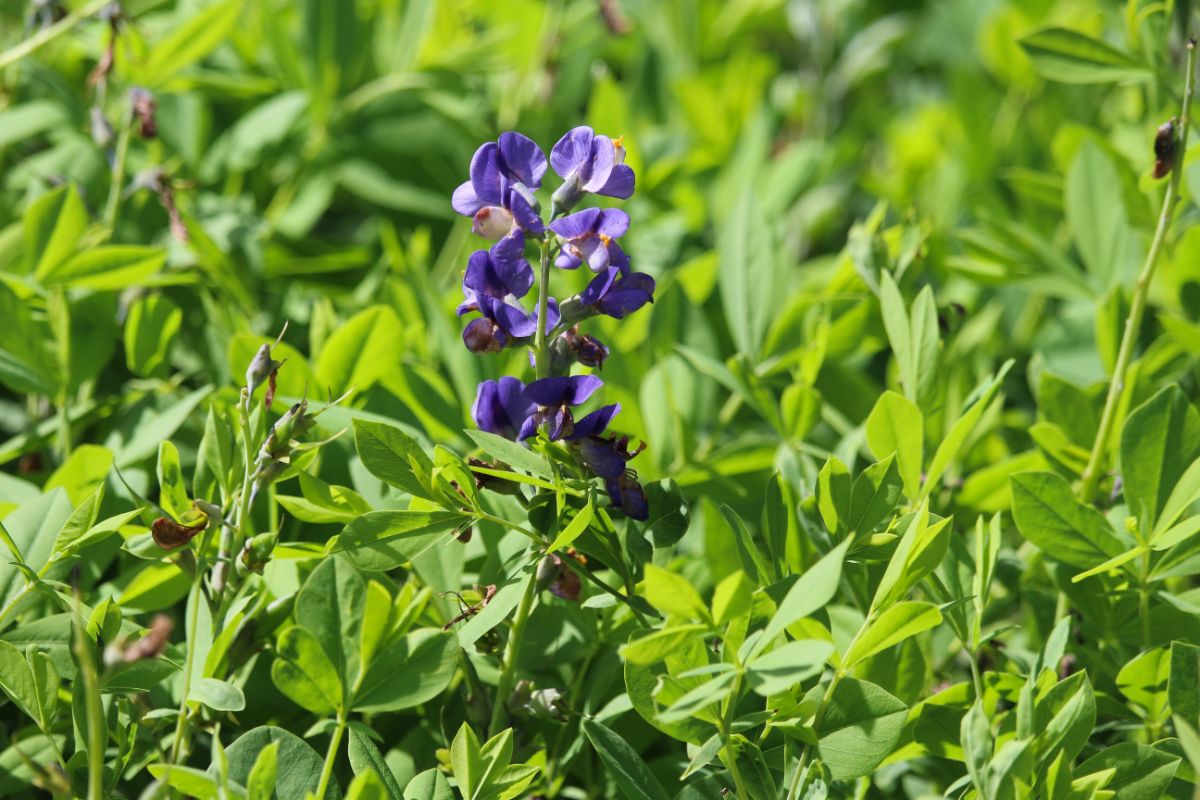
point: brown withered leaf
(153, 643)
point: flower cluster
(500, 197)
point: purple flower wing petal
(465, 201)
(594, 423)
(511, 395)
(566, 261)
(620, 183)
(485, 174)
(528, 428)
(511, 268)
(613, 223)
(602, 458)
(628, 295)
(558, 423)
(580, 388)
(547, 391)
(523, 158)
(595, 252)
(571, 151)
(512, 320)
(485, 407)
(576, 225)
(598, 287)
(603, 157)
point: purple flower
(589, 162)
(612, 294)
(501, 407)
(504, 175)
(590, 236)
(606, 457)
(554, 396)
(500, 273)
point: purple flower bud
(484, 336)
(627, 494)
(585, 348)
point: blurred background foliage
(786, 151)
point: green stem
(330, 758)
(113, 206)
(511, 652)
(47, 35)
(1144, 599)
(540, 353)
(232, 538)
(193, 619)
(806, 753)
(1090, 480)
(727, 740)
(95, 712)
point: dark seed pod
(170, 535)
(1164, 149)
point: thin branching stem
(1090, 480)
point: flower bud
(492, 222)
(144, 107)
(548, 570)
(484, 336)
(1164, 149)
(257, 551)
(262, 368)
(574, 310)
(566, 197)
(102, 131)
(585, 348)
(548, 704)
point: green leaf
(106, 268)
(1185, 492)
(509, 452)
(361, 351)
(914, 338)
(624, 765)
(195, 783)
(654, 647)
(187, 43)
(1183, 686)
(1092, 200)
(150, 329)
(875, 496)
(382, 540)
(672, 594)
(323, 503)
(53, 226)
(918, 553)
(976, 736)
(304, 673)
(834, 485)
(953, 441)
(330, 607)
(1047, 514)
(571, 532)
(367, 785)
(786, 666)
(706, 695)
(429, 785)
(387, 453)
(33, 528)
(217, 695)
(1159, 441)
(302, 772)
(861, 726)
(895, 425)
(733, 598)
(26, 362)
(895, 624)
(260, 784)
(173, 496)
(364, 755)
(1068, 56)
(409, 671)
(813, 590)
(1143, 772)
(16, 680)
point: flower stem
(95, 711)
(330, 758)
(511, 652)
(113, 206)
(540, 351)
(1090, 479)
(232, 538)
(47, 35)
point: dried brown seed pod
(1164, 149)
(169, 534)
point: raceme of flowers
(501, 199)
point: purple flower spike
(589, 162)
(590, 236)
(501, 408)
(613, 295)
